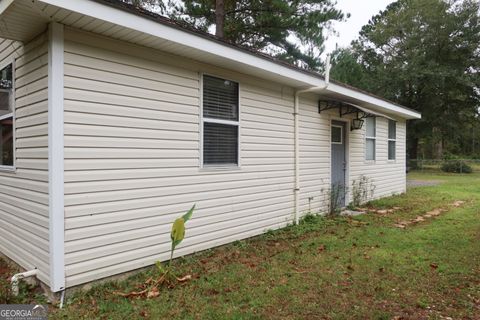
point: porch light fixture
(357, 124)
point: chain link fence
(453, 165)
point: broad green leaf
(178, 232)
(188, 215)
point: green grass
(343, 268)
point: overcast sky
(360, 13)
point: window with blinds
(370, 138)
(7, 120)
(392, 139)
(220, 121)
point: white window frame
(219, 121)
(341, 135)
(374, 138)
(11, 114)
(391, 140)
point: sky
(360, 13)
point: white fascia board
(385, 105)
(185, 38)
(4, 4)
(56, 156)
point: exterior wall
(24, 212)
(132, 150)
(388, 176)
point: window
(392, 139)
(7, 148)
(370, 137)
(220, 122)
(337, 135)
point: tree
(151, 5)
(289, 30)
(423, 54)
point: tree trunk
(220, 19)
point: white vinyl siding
(132, 157)
(24, 191)
(314, 155)
(388, 177)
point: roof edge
(161, 27)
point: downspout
(19, 276)
(296, 190)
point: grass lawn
(343, 268)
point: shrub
(362, 190)
(456, 166)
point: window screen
(370, 138)
(392, 139)
(220, 143)
(6, 142)
(6, 117)
(220, 121)
(6, 85)
(220, 98)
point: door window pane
(336, 134)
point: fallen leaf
(458, 203)
(435, 212)
(185, 278)
(153, 293)
(418, 219)
(130, 294)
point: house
(115, 121)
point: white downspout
(297, 138)
(19, 276)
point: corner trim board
(56, 156)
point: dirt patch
(413, 183)
(428, 215)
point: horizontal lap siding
(314, 156)
(388, 176)
(132, 159)
(24, 193)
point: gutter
(296, 190)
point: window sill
(220, 168)
(8, 169)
